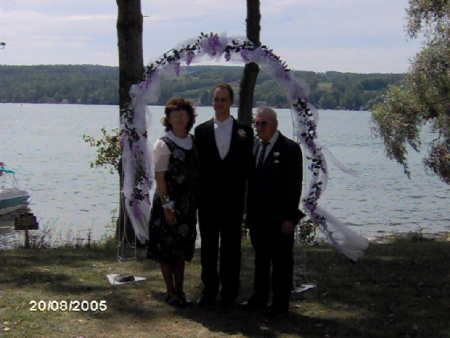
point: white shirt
(222, 134)
(161, 152)
(269, 146)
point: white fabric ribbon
(137, 159)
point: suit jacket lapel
(255, 147)
(233, 138)
(210, 135)
(270, 159)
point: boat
(12, 198)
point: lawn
(398, 289)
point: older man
(273, 212)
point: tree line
(93, 84)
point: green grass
(398, 289)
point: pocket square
(276, 161)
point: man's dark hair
(227, 87)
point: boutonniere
(275, 156)
(241, 133)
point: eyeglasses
(261, 123)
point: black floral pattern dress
(167, 243)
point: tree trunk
(131, 69)
(129, 35)
(251, 70)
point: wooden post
(26, 221)
(27, 237)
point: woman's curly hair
(176, 104)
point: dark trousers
(227, 227)
(276, 249)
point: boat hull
(13, 199)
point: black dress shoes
(205, 301)
(275, 312)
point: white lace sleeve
(161, 154)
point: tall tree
(131, 68)
(251, 70)
(129, 35)
(424, 96)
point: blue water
(44, 145)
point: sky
(361, 36)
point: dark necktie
(261, 154)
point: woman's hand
(171, 219)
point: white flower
(179, 154)
(276, 154)
(241, 133)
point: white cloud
(353, 35)
(355, 60)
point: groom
(225, 153)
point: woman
(174, 214)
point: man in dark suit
(225, 153)
(273, 212)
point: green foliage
(412, 237)
(424, 95)
(306, 231)
(85, 84)
(88, 84)
(394, 121)
(427, 17)
(108, 150)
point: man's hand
(287, 227)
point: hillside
(91, 84)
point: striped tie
(261, 155)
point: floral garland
(135, 120)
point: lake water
(44, 145)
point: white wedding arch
(137, 157)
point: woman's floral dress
(167, 243)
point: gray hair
(269, 111)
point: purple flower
(214, 42)
(227, 56)
(270, 54)
(244, 54)
(146, 82)
(190, 56)
(177, 68)
(136, 149)
(136, 210)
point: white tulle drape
(137, 157)
(137, 166)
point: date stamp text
(68, 305)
